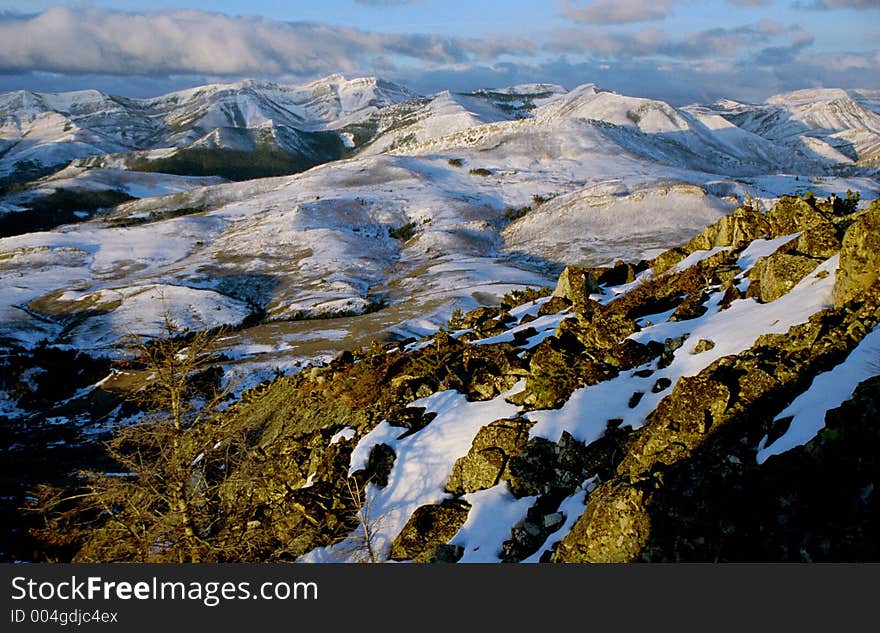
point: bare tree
(363, 547)
(162, 505)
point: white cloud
(651, 41)
(628, 11)
(88, 40)
(616, 11)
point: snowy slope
(828, 125)
(424, 460)
(52, 129)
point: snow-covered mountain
(421, 207)
(39, 131)
(449, 200)
(829, 125)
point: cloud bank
(87, 40)
(147, 53)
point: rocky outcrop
(614, 528)
(738, 228)
(792, 214)
(776, 274)
(487, 461)
(820, 241)
(859, 258)
(706, 431)
(576, 284)
(424, 537)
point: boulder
(614, 528)
(776, 274)
(576, 284)
(621, 273)
(486, 462)
(678, 424)
(740, 227)
(819, 241)
(428, 529)
(667, 259)
(859, 258)
(703, 345)
(792, 214)
(554, 306)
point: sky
(682, 51)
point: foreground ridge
(649, 411)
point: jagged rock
(429, 527)
(678, 424)
(703, 345)
(792, 214)
(859, 258)
(670, 346)
(662, 384)
(725, 274)
(777, 274)
(576, 284)
(614, 528)
(554, 306)
(533, 471)
(491, 450)
(691, 308)
(541, 520)
(731, 294)
(527, 318)
(819, 241)
(520, 337)
(667, 259)
(740, 227)
(411, 418)
(596, 328)
(478, 316)
(553, 374)
(490, 370)
(620, 273)
(380, 463)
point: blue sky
(678, 50)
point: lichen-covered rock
(553, 374)
(775, 275)
(820, 241)
(792, 214)
(740, 227)
(576, 284)
(429, 528)
(678, 424)
(691, 308)
(614, 528)
(859, 258)
(703, 345)
(554, 306)
(491, 450)
(667, 259)
(597, 327)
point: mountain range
(305, 222)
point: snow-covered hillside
(399, 212)
(52, 129)
(829, 125)
(456, 200)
